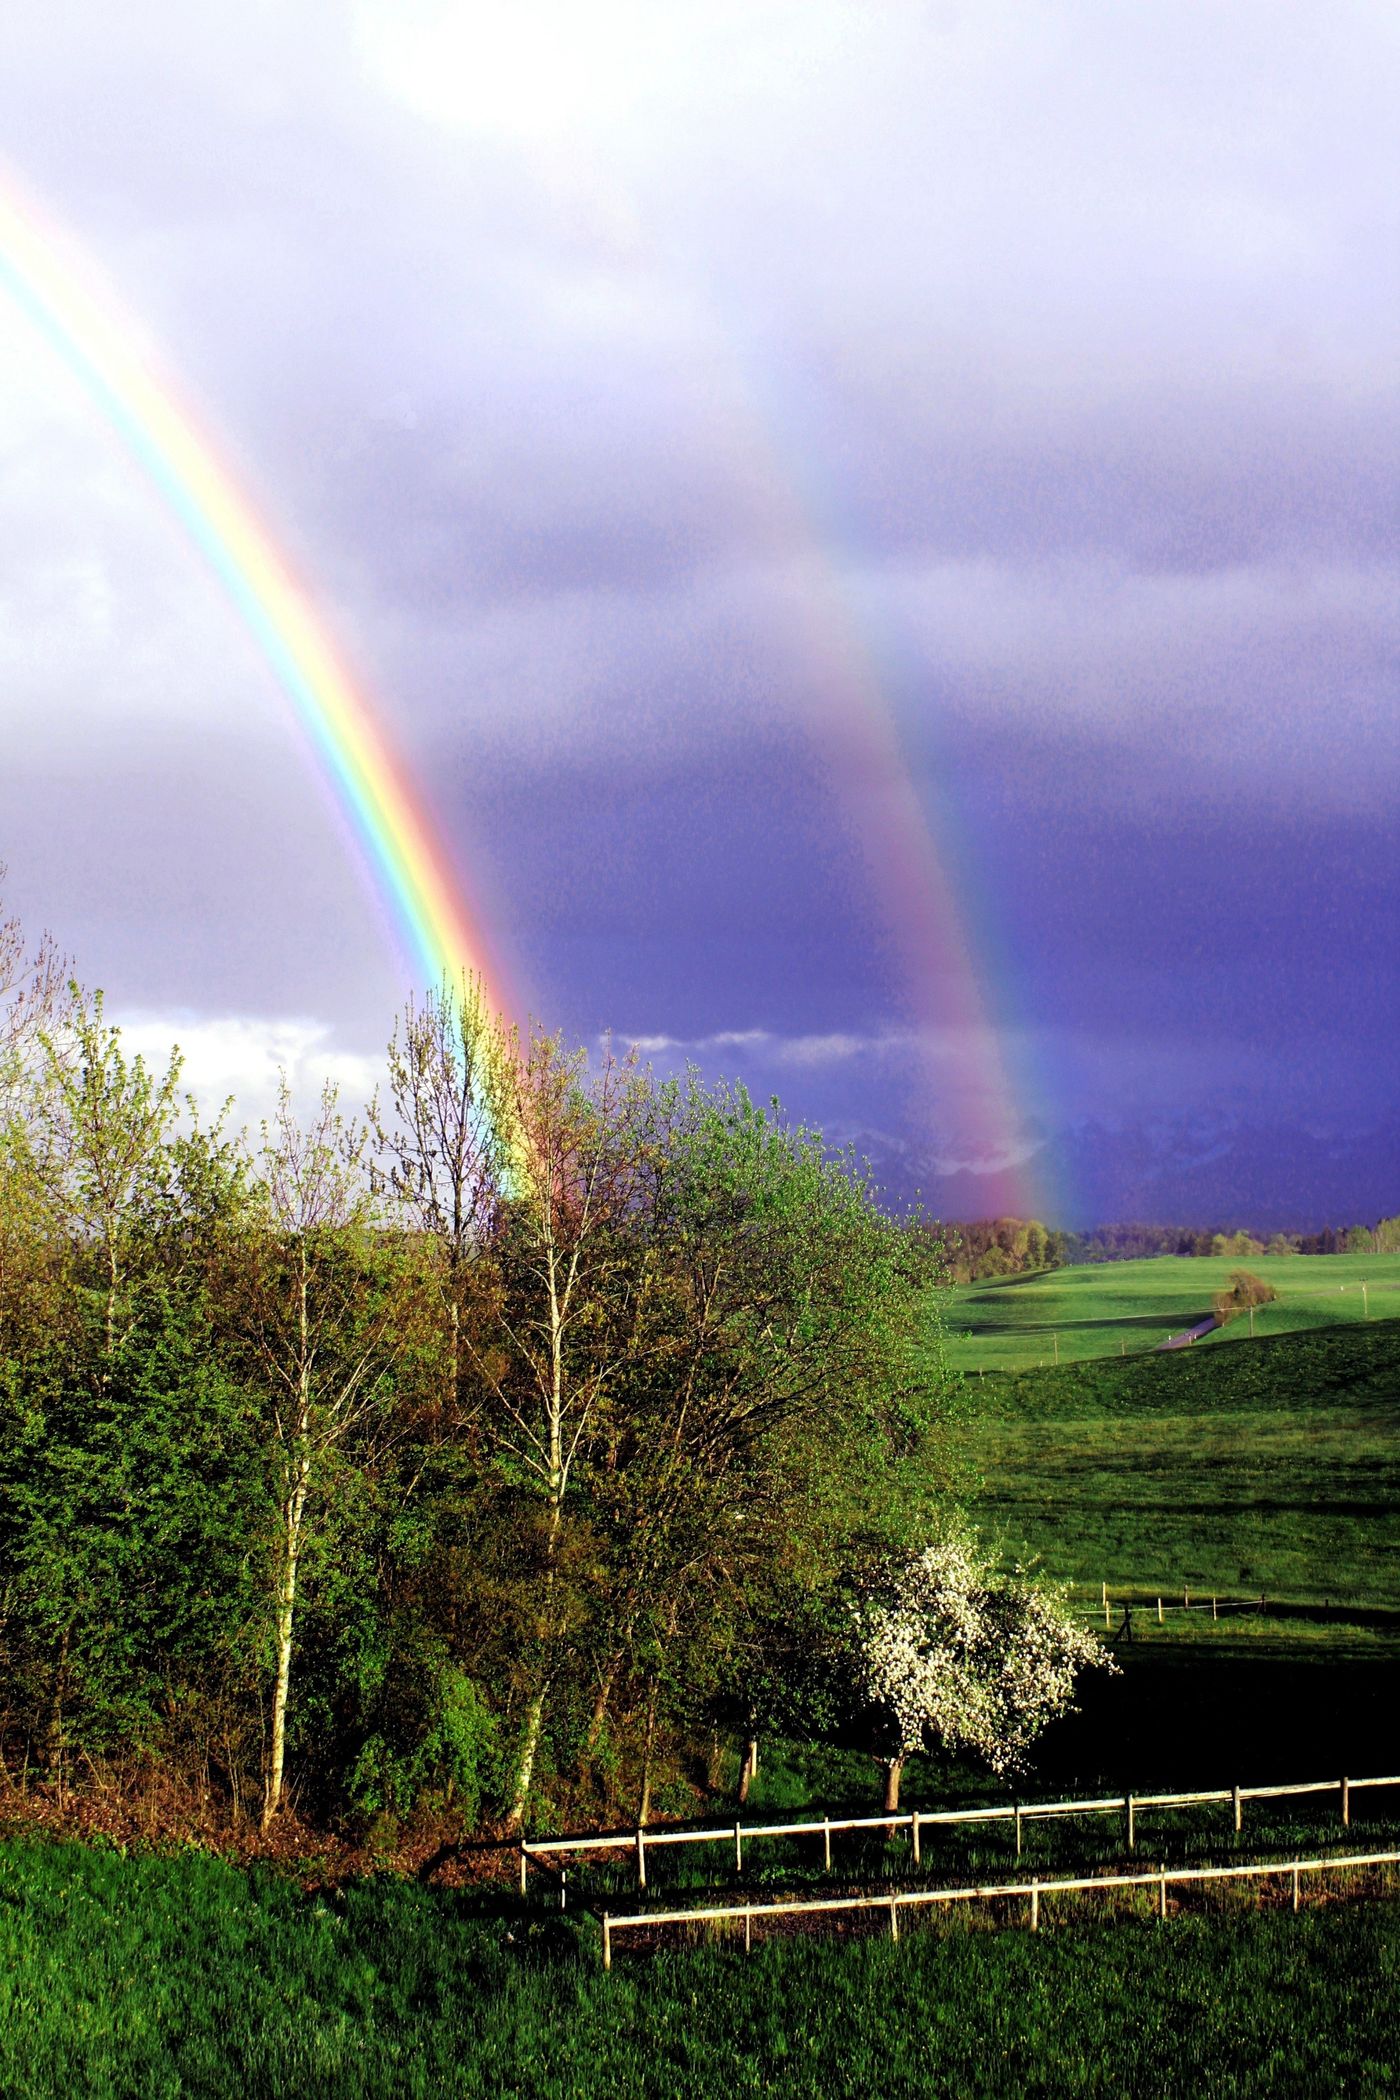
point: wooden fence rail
(1160, 1879)
(1159, 1602)
(642, 1841)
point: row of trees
(504, 1445)
(1003, 1247)
(1010, 1246)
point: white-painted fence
(643, 1841)
(1159, 1879)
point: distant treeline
(1012, 1246)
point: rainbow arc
(390, 824)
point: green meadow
(167, 1978)
(1270, 1468)
(1131, 1307)
(1267, 1469)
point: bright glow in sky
(524, 69)
(544, 73)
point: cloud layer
(641, 406)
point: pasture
(187, 1976)
(1017, 1323)
(1266, 1469)
(1273, 1468)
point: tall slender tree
(314, 1304)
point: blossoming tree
(951, 1649)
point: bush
(457, 1757)
(1245, 1289)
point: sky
(873, 528)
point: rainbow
(974, 1101)
(967, 1080)
(394, 835)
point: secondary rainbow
(393, 832)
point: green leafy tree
(781, 1400)
(126, 1507)
(96, 1146)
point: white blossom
(954, 1650)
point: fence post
(1018, 1830)
(607, 1942)
(1162, 1896)
(914, 1832)
(748, 1932)
(826, 1840)
(738, 1848)
(1346, 1804)
(1035, 1906)
(1159, 1611)
(1128, 1805)
(641, 1858)
(1295, 1884)
(522, 1867)
(1185, 1598)
(1215, 1607)
(1238, 1811)
(563, 1888)
(894, 1917)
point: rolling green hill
(1125, 1308)
(1273, 1467)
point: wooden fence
(1159, 1879)
(1157, 1603)
(641, 1841)
(1144, 1603)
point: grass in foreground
(175, 1977)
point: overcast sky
(697, 423)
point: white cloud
(772, 1048)
(244, 1057)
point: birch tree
(441, 1154)
(33, 982)
(32, 991)
(565, 1307)
(98, 1143)
(315, 1308)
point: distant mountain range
(1220, 1172)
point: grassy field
(1267, 1468)
(183, 1977)
(1127, 1307)
(1271, 1468)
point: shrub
(1245, 1289)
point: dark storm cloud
(1053, 348)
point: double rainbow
(394, 834)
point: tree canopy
(473, 1457)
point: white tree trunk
(525, 1769)
(286, 1618)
